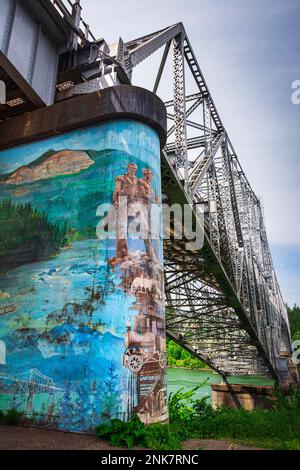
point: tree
(180, 357)
(294, 319)
(111, 392)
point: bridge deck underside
(203, 313)
(199, 315)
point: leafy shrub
(180, 404)
(122, 433)
(161, 437)
(278, 428)
(183, 405)
(135, 433)
(10, 417)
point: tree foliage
(294, 319)
(179, 357)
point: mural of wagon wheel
(162, 361)
(135, 364)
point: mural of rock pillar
(82, 329)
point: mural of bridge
(29, 384)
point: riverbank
(191, 378)
(275, 428)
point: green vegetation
(278, 428)
(294, 318)
(27, 235)
(10, 417)
(135, 433)
(183, 406)
(120, 433)
(179, 357)
(191, 418)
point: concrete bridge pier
(248, 397)
(91, 285)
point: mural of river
(82, 335)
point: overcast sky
(249, 52)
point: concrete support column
(81, 285)
(249, 396)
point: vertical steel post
(76, 17)
(180, 107)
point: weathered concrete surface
(119, 158)
(249, 396)
(119, 102)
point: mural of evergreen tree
(27, 235)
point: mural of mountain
(51, 164)
(55, 195)
(53, 352)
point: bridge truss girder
(223, 301)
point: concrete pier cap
(92, 345)
(119, 102)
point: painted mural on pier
(82, 336)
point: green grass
(278, 428)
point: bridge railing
(71, 13)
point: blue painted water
(60, 330)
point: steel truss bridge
(223, 301)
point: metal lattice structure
(223, 301)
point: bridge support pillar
(248, 396)
(81, 262)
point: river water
(188, 379)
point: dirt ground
(211, 444)
(27, 438)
